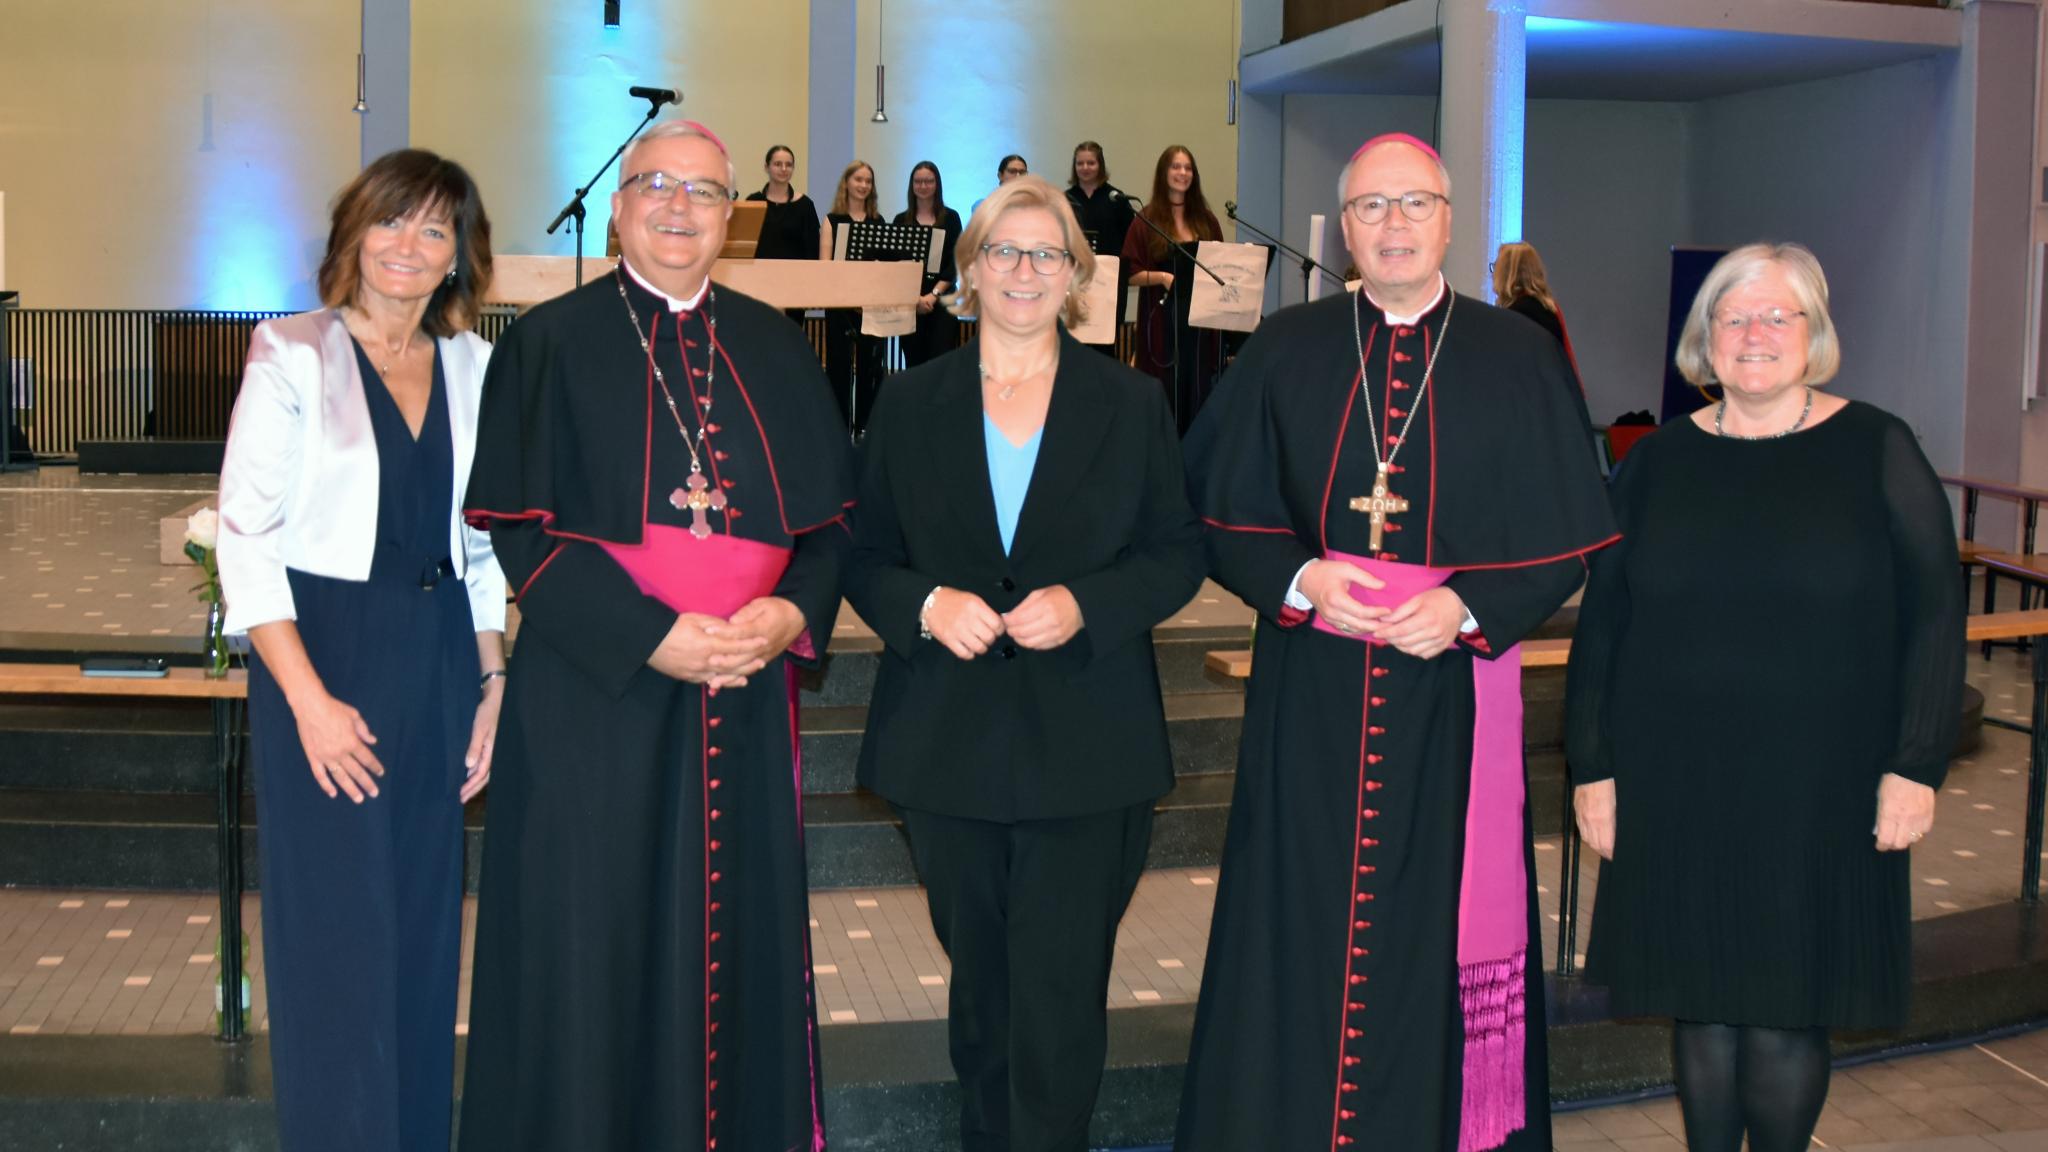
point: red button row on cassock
(1359, 952)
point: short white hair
(670, 130)
(1344, 173)
(1744, 265)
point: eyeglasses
(1371, 208)
(1016, 172)
(1774, 319)
(1044, 261)
(662, 186)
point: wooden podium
(527, 280)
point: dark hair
(396, 185)
(938, 192)
(1194, 210)
(770, 157)
(1101, 165)
(1005, 163)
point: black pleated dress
(1780, 626)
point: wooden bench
(1236, 665)
(229, 698)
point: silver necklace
(1010, 389)
(696, 496)
(1721, 409)
(1383, 503)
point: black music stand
(8, 384)
(875, 240)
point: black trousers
(853, 364)
(1028, 914)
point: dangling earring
(450, 278)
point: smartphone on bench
(126, 667)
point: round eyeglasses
(662, 186)
(1372, 207)
(1044, 261)
(1773, 319)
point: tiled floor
(1989, 1097)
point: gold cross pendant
(1380, 505)
(698, 496)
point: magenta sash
(1493, 926)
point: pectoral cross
(1380, 505)
(697, 495)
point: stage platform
(107, 944)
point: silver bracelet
(484, 681)
(924, 611)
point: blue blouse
(1009, 474)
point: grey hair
(1695, 357)
(669, 130)
(1344, 173)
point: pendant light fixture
(881, 24)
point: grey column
(1993, 128)
(387, 45)
(834, 25)
(1485, 82)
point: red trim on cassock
(1213, 523)
(702, 411)
(767, 450)
(1429, 521)
(1477, 640)
(1354, 920)
(536, 573)
(1291, 617)
(1337, 452)
(1576, 552)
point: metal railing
(124, 374)
(172, 374)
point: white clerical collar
(1442, 286)
(674, 305)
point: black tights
(1769, 1081)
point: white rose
(203, 528)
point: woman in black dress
(378, 621)
(853, 362)
(789, 229)
(1522, 286)
(1763, 694)
(937, 331)
(1183, 358)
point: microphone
(1116, 193)
(660, 96)
(1230, 209)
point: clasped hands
(967, 626)
(1422, 626)
(703, 649)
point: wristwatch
(924, 611)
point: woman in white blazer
(378, 620)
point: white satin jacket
(298, 486)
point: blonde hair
(1518, 273)
(1026, 191)
(840, 204)
(1743, 266)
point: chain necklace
(1010, 389)
(1383, 503)
(696, 496)
(1428, 373)
(1722, 408)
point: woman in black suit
(1022, 526)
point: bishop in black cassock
(642, 977)
(1373, 978)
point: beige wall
(969, 82)
(175, 153)
(530, 95)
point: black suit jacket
(1017, 734)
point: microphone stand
(574, 210)
(1176, 327)
(1309, 265)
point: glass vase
(217, 653)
